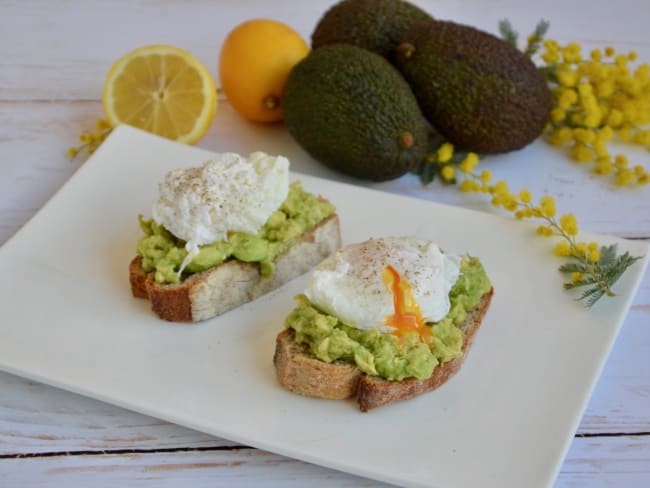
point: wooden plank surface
(53, 58)
(591, 463)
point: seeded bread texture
(215, 291)
(299, 371)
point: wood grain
(222, 468)
(592, 462)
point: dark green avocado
(376, 25)
(351, 110)
(478, 91)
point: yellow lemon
(254, 64)
(161, 89)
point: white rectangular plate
(507, 418)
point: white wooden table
(53, 58)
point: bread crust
(299, 371)
(215, 291)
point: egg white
(228, 193)
(349, 285)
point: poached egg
(394, 284)
(229, 193)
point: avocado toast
(226, 233)
(405, 331)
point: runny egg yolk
(407, 317)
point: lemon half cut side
(161, 89)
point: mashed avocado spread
(163, 253)
(382, 354)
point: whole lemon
(254, 64)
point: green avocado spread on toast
(382, 354)
(163, 253)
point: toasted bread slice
(212, 292)
(299, 371)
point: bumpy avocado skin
(376, 25)
(351, 110)
(477, 90)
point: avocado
(375, 25)
(478, 91)
(351, 110)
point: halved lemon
(161, 89)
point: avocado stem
(406, 50)
(406, 140)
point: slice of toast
(299, 371)
(212, 292)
